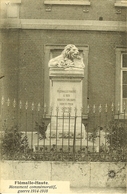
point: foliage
(117, 134)
(41, 129)
(117, 139)
(14, 144)
(92, 136)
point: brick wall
(23, 54)
(31, 9)
(101, 70)
(10, 68)
(23, 61)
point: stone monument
(66, 73)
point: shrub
(41, 129)
(14, 144)
(117, 139)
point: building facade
(34, 31)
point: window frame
(121, 3)
(13, 11)
(9, 6)
(123, 69)
(66, 2)
(118, 81)
(1, 82)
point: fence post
(94, 111)
(26, 107)
(20, 107)
(106, 110)
(100, 109)
(51, 110)
(38, 117)
(69, 134)
(63, 130)
(74, 140)
(57, 112)
(32, 126)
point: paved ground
(98, 190)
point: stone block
(108, 174)
(99, 174)
(77, 173)
(7, 170)
(116, 175)
(36, 170)
(26, 170)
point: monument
(66, 73)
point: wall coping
(55, 24)
(60, 162)
(87, 174)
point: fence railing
(29, 133)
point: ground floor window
(121, 80)
(124, 81)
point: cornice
(84, 25)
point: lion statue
(69, 58)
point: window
(13, 11)
(121, 3)
(121, 79)
(10, 9)
(1, 82)
(124, 81)
(66, 2)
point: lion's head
(71, 52)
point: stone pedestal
(66, 102)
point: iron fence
(33, 132)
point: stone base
(66, 145)
(65, 140)
(66, 133)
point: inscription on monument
(66, 99)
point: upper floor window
(66, 2)
(121, 3)
(10, 9)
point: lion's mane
(70, 52)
